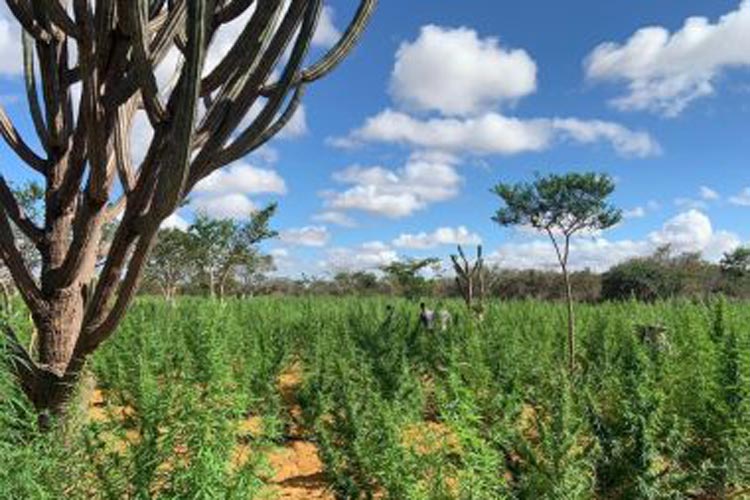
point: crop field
(351, 398)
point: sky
(394, 154)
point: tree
(358, 282)
(647, 279)
(220, 246)
(735, 271)
(470, 279)
(110, 51)
(560, 206)
(407, 278)
(170, 265)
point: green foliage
(213, 252)
(479, 411)
(644, 279)
(662, 276)
(569, 203)
(405, 276)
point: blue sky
(395, 153)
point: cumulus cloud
(493, 133)
(242, 178)
(690, 231)
(225, 193)
(464, 79)
(368, 256)
(175, 221)
(334, 217)
(441, 236)
(708, 194)
(664, 71)
(326, 33)
(11, 63)
(394, 193)
(742, 199)
(308, 236)
(705, 196)
(229, 206)
(634, 213)
(456, 72)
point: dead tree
(470, 279)
(109, 52)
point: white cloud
(493, 133)
(175, 221)
(691, 203)
(279, 253)
(367, 256)
(456, 72)
(689, 231)
(742, 199)
(326, 33)
(596, 254)
(242, 178)
(11, 62)
(224, 194)
(334, 217)
(708, 194)
(309, 236)
(297, 126)
(666, 71)
(230, 206)
(634, 213)
(441, 236)
(394, 193)
(702, 202)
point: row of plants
(478, 409)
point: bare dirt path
(298, 470)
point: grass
(206, 399)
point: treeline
(662, 275)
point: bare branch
(31, 91)
(22, 11)
(339, 51)
(59, 16)
(17, 215)
(14, 262)
(136, 17)
(255, 131)
(233, 10)
(19, 146)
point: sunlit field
(346, 398)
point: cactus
(470, 279)
(110, 50)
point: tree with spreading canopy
(90, 66)
(219, 246)
(212, 253)
(560, 206)
(406, 276)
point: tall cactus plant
(470, 279)
(110, 50)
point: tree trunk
(571, 321)
(58, 329)
(212, 284)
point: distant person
(445, 319)
(426, 316)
